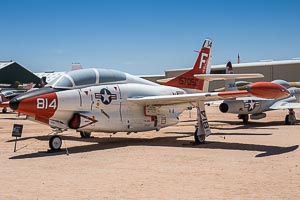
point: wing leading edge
(259, 89)
(187, 98)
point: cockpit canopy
(84, 77)
(92, 76)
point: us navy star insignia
(251, 105)
(105, 96)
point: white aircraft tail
(230, 83)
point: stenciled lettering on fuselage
(188, 81)
(105, 96)
(250, 104)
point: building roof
(5, 63)
(50, 76)
(11, 73)
(251, 64)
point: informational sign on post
(17, 132)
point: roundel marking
(105, 96)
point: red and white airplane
(103, 100)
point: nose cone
(14, 103)
(27, 102)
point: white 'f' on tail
(202, 65)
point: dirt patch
(258, 160)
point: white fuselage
(105, 108)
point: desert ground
(260, 160)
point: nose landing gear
(55, 143)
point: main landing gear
(85, 134)
(199, 139)
(290, 119)
(244, 117)
(202, 128)
(4, 110)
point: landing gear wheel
(85, 134)
(290, 120)
(55, 143)
(245, 118)
(4, 110)
(199, 139)
(287, 120)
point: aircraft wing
(259, 89)
(188, 98)
(284, 105)
(214, 77)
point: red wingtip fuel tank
(268, 90)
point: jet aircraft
(6, 95)
(105, 100)
(256, 107)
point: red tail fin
(202, 66)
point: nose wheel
(55, 143)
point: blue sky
(145, 36)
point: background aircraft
(6, 95)
(256, 107)
(111, 101)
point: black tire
(4, 110)
(287, 122)
(55, 143)
(85, 134)
(245, 119)
(199, 139)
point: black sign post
(17, 132)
